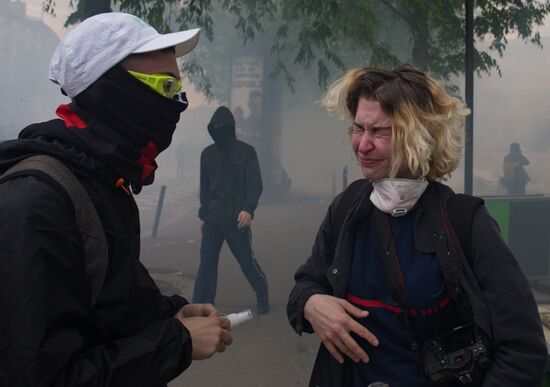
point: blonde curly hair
(427, 123)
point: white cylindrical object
(240, 317)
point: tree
(332, 34)
(434, 29)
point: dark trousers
(240, 244)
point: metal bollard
(159, 210)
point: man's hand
(243, 220)
(198, 310)
(209, 332)
(201, 225)
(331, 318)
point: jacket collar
(362, 206)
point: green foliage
(328, 36)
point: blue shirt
(430, 309)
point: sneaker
(262, 306)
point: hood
(222, 127)
(52, 138)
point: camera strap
(445, 247)
(449, 262)
(394, 278)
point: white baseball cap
(101, 41)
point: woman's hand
(332, 320)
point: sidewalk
(266, 351)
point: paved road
(266, 351)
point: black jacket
(49, 333)
(230, 182)
(498, 292)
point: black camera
(459, 355)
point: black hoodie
(230, 174)
(49, 332)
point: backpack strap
(87, 219)
(460, 210)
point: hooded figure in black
(515, 177)
(50, 331)
(230, 187)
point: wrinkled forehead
(369, 113)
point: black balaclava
(130, 124)
(222, 128)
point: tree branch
(394, 9)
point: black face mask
(130, 123)
(222, 128)
(132, 109)
(223, 135)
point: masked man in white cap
(66, 317)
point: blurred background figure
(250, 127)
(515, 177)
(230, 187)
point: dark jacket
(515, 176)
(498, 292)
(50, 335)
(230, 179)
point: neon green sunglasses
(166, 85)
